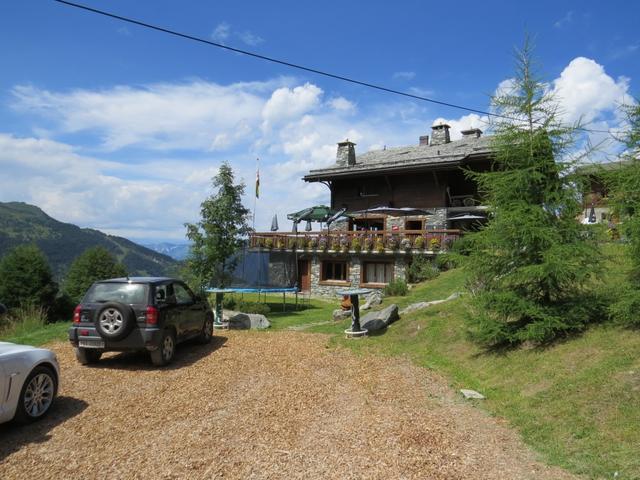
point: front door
(304, 275)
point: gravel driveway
(262, 405)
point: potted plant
(312, 243)
(392, 243)
(268, 243)
(355, 245)
(418, 243)
(323, 244)
(379, 246)
(368, 244)
(434, 243)
(280, 244)
(405, 244)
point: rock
(420, 305)
(379, 320)
(471, 394)
(245, 321)
(373, 299)
(341, 314)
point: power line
(294, 65)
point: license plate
(91, 343)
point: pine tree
(530, 265)
(26, 278)
(624, 199)
(220, 233)
(92, 265)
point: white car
(28, 382)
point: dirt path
(269, 405)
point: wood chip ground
(275, 405)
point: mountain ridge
(62, 242)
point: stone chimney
(440, 134)
(346, 155)
(424, 140)
(471, 133)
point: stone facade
(354, 262)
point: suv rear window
(116, 292)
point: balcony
(360, 242)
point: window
(332, 271)
(182, 294)
(377, 272)
(413, 225)
(130, 293)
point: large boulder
(245, 321)
(381, 319)
(373, 299)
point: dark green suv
(139, 313)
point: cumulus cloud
(286, 103)
(466, 122)
(342, 104)
(584, 90)
(221, 33)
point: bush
(253, 307)
(624, 311)
(26, 278)
(421, 269)
(447, 261)
(228, 302)
(396, 288)
(92, 265)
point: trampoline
(259, 290)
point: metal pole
(355, 313)
(219, 296)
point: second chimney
(440, 134)
(346, 154)
(471, 133)
(424, 140)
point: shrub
(253, 307)
(396, 288)
(624, 311)
(26, 278)
(447, 261)
(228, 302)
(421, 269)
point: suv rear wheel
(165, 351)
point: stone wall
(355, 268)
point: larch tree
(531, 264)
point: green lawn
(38, 335)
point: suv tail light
(76, 314)
(152, 315)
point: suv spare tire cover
(114, 321)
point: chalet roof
(409, 158)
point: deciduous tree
(219, 235)
(92, 265)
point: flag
(258, 182)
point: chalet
(388, 206)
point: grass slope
(62, 242)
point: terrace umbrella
(592, 215)
(274, 223)
(396, 212)
(467, 216)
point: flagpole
(257, 193)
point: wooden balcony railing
(357, 241)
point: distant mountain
(178, 251)
(22, 223)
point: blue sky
(111, 126)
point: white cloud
(404, 75)
(286, 103)
(566, 20)
(157, 117)
(250, 38)
(221, 33)
(342, 104)
(584, 90)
